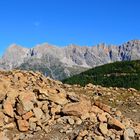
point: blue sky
(62, 22)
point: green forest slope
(119, 74)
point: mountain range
(62, 62)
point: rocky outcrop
(33, 107)
(60, 63)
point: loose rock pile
(33, 107)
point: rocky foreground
(33, 107)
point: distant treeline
(119, 74)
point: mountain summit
(60, 63)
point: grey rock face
(13, 57)
(63, 62)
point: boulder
(23, 125)
(28, 115)
(9, 126)
(129, 133)
(103, 128)
(137, 128)
(102, 117)
(52, 95)
(115, 124)
(99, 138)
(8, 108)
(102, 106)
(38, 113)
(26, 102)
(71, 121)
(96, 109)
(77, 109)
(1, 119)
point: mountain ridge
(72, 57)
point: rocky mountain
(62, 62)
(35, 107)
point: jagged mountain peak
(13, 56)
(15, 47)
(44, 45)
(66, 61)
(132, 43)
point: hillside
(63, 62)
(119, 74)
(35, 107)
